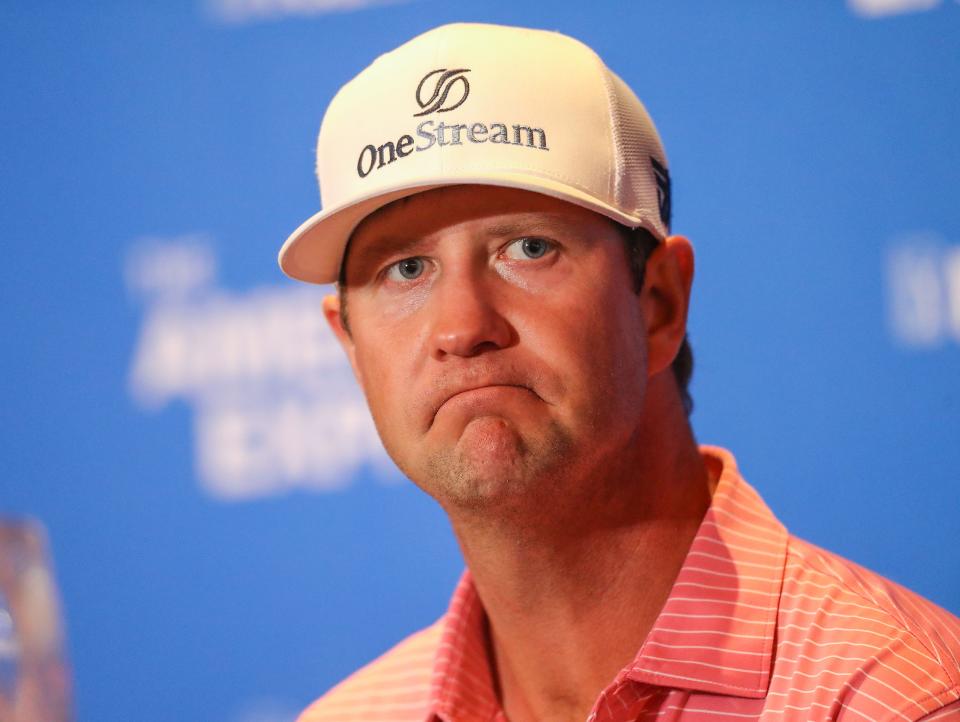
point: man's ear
(666, 299)
(331, 311)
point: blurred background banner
(229, 537)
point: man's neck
(570, 603)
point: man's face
(499, 342)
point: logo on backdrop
(923, 291)
(447, 89)
(883, 8)
(248, 11)
(273, 401)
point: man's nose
(466, 319)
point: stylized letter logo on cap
(437, 102)
(662, 176)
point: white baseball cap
(481, 104)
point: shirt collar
(716, 631)
(461, 686)
(714, 634)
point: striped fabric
(759, 625)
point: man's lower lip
(481, 390)
(479, 394)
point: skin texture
(516, 376)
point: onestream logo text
(449, 89)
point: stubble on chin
(496, 469)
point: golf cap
(481, 104)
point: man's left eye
(527, 248)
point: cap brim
(314, 251)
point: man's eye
(527, 248)
(406, 270)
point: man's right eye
(406, 270)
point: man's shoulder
(886, 648)
(395, 686)
(819, 585)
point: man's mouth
(477, 393)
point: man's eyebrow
(526, 225)
(507, 228)
(388, 246)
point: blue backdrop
(229, 540)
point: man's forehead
(499, 210)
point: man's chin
(489, 439)
(493, 466)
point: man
(514, 308)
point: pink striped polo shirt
(759, 625)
